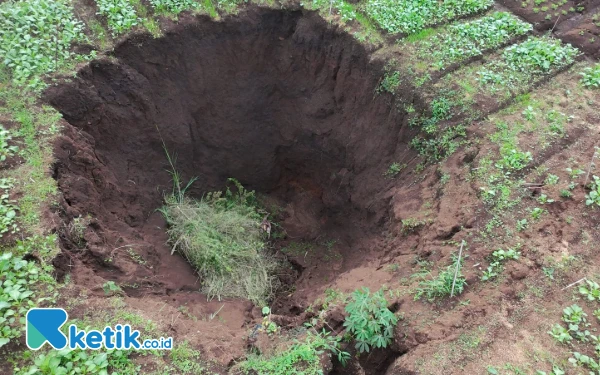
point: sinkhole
(280, 100)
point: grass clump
(220, 236)
(441, 286)
(302, 357)
(186, 359)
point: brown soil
(583, 31)
(279, 100)
(571, 22)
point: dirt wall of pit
(280, 100)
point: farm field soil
(576, 21)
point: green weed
(590, 77)
(302, 357)
(394, 169)
(390, 83)
(497, 260)
(369, 320)
(6, 149)
(591, 291)
(120, 15)
(594, 195)
(411, 225)
(185, 359)
(111, 288)
(441, 285)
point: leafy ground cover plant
(441, 286)
(6, 149)
(220, 236)
(389, 83)
(411, 16)
(464, 40)
(394, 169)
(8, 211)
(577, 323)
(539, 55)
(591, 290)
(579, 359)
(174, 6)
(17, 276)
(561, 334)
(594, 195)
(436, 144)
(68, 361)
(369, 320)
(303, 357)
(498, 258)
(513, 159)
(576, 320)
(36, 36)
(524, 62)
(590, 77)
(441, 145)
(120, 15)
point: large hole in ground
(279, 100)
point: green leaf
(4, 341)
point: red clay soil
(279, 100)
